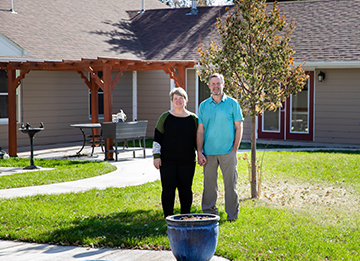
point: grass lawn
(63, 171)
(308, 210)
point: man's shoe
(232, 220)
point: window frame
(100, 98)
(18, 100)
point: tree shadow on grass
(136, 229)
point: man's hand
(157, 163)
(201, 159)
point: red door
(295, 120)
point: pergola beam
(107, 84)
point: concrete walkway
(129, 172)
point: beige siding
(122, 95)
(57, 99)
(153, 97)
(4, 135)
(247, 129)
(337, 107)
(191, 89)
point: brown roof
(172, 34)
(69, 29)
(326, 30)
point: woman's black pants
(178, 176)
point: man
(218, 138)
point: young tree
(256, 59)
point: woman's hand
(157, 163)
(201, 159)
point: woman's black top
(176, 137)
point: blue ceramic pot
(193, 240)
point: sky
(221, 2)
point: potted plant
(193, 237)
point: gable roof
(327, 31)
(68, 29)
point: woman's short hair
(220, 76)
(179, 91)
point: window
(3, 96)
(300, 111)
(100, 99)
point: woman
(174, 152)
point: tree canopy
(256, 58)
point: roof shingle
(326, 30)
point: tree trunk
(254, 193)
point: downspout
(194, 9)
(12, 7)
(143, 7)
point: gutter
(330, 65)
(14, 59)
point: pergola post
(12, 112)
(182, 77)
(94, 104)
(108, 104)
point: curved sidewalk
(128, 173)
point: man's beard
(216, 91)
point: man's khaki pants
(228, 166)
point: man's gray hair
(220, 76)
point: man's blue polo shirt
(218, 120)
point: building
(66, 61)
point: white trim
(13, 59)
(8, 47)
(134, 95)
(101, 116)
(314, 107)
(307, 115)
(311, 66)
(18, 102)
(18, 98)
(172, 86)
(256, 127)
(285, 122)
(196, 93)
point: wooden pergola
(175, 69)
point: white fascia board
(9, 48)
(329, 65)
(323, 65)
(14, 59)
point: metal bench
(124, 131)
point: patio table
(92, 136)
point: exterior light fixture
(321, 76)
